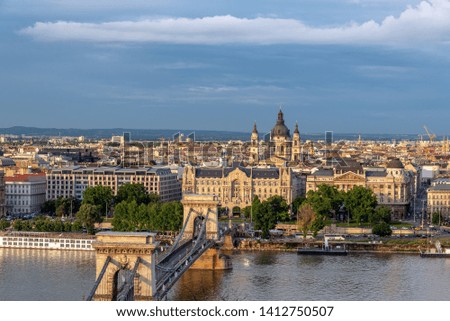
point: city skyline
(367, 66)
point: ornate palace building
(392, 185)
(281, 149)
(236, 186)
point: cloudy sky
(361, 66)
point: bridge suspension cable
(99, 279)
(177, 240)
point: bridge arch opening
(198, 222)
(119, 282)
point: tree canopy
(136, 192)
(266, 214)
(88, 215)
(99, 196)
(326, 201)
(129, 216)
(361, 203)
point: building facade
(391, 185)
(25, 194)
(73, 181)
(236, 186)
(2, 194)
(438, 198)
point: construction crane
(430, 135)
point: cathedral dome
(280, 129)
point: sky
(348, 66)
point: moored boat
(326, 249)
(438, 252)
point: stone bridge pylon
(198, 208)
(125, 266)
(129, 269)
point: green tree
(99, 196)
(66, 206)
(88, 215)
(155, 220)
(326, 201)
(297, 202)
(133, 192)
(58, 226)
(360, 202)
(43, 224)
(121, 220)
(174, 212)
(67, 227)
(265, 218)
(381, 214)
(256, 203)
(247, 212)
(437, 218)
(4, 224)
(153, 198)
(18, 225)
(382, 229)
(279, 207)
(77, 226)
(49, 207)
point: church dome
(280, 129)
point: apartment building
(438, 198)
(25, 193)
(73, 181)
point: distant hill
(201, 135)
(136, 134)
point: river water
(66, 275)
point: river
(69, 275)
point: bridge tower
(125, 266)
(197, 208)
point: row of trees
(155, 216)
(43, 224)
(134, 210)
(359, 203)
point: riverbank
(383, 246)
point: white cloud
(426, 23)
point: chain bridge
(131, 265)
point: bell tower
(296, 149)
(254, 145)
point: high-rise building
(328, 138)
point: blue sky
(363, 66)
